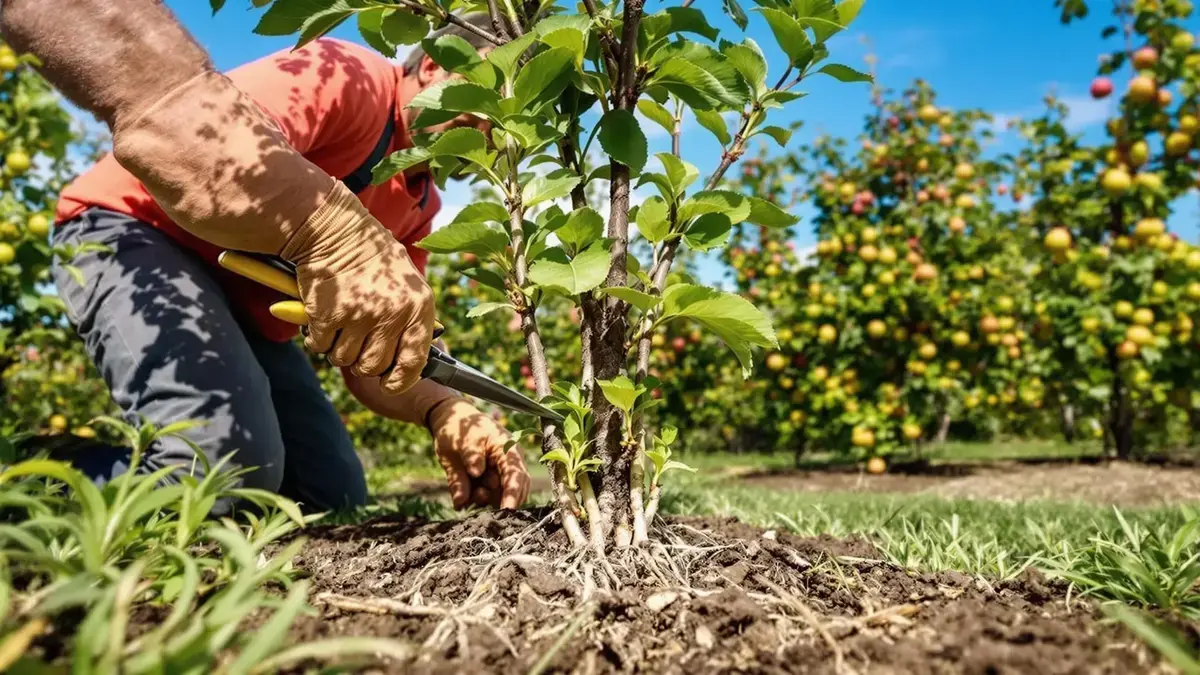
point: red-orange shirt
(331, 100)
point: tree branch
(499, 24)
(446, 17)
(607, 42)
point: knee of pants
(239, 440)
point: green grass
(947, 453)
(1011, 450)
(920, 531)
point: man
(211, 164)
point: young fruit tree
(557, 82)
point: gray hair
(412, 62)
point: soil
(502, 593)
(1122, 484)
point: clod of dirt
(499, 592)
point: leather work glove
(368, 306)
(471, 447)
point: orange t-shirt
(331, 100)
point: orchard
(759, 335)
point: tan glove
(470, 446)
(368, 305)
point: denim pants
(163, 335)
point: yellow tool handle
(257, 270)
(291, 311)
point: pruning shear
(280, 275)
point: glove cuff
(220, 167)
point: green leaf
(643, 301)
(696, 86)
(370, 26)
(465, 142)
(668, 435)
(732, 91)
(766, 214)
(486, 308)
(404, 28)
(505, 57)
(708, 232)
(790, 35)
(556, 455)
(544, 77)
(622, 138)
(286, 17)
(660, 181)
(657, 114)
(775, 99)
(739, 324)
(451, 52)
(582, 227)
(844, 73)
(732, 204)
(823, 28)
(482, 212)
(399, 161)
(748, 59)
(680, 174)
(465, 237)
(457, 97)
(555, 185)
(678, 20)
(486, 277)
(216, 5)
(847, 11)
(781, 135)
(574, 277)
(715, 123)
(621, 392)
(570, 39)
(530, 132)
(652, 219)
(736, 13)
(675, 465)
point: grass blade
(1163, 639)
(271, 635)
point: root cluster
(681, 566)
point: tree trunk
(801, 448)
(1193, 425)
(1120, 413)
(943, 428)
(1068, 422)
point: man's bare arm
(222, 169)
(113, 58)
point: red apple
(1102, 87)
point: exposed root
(839, 658)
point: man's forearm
(413, 406)
(206, 152)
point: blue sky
(1000, 56)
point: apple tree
(1122, 292)
(910, 318)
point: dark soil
(499, 593)
(1109, 483)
